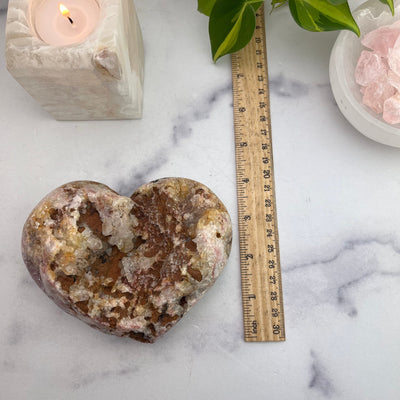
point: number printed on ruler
(258, 231)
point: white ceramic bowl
(344, 57)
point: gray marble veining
(181, 130)
(320, 380)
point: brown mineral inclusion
(128, 266)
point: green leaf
(232, 25)
(277, 3)
(390, 4)
(322, 15)
(337, 2)
(257, 5)
(205, 6)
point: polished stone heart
(128, 266)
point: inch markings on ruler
(258, 230)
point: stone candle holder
(100, 78)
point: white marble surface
(339, 218)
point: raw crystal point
(376, 93)
(382, 40)
(128, 266)
(391, 110)
(370, 67)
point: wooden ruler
(258, 231)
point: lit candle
(65, 23)
(81, 62)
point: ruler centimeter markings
(258, 231)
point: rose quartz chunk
(370, 67)
(394, 58)
(382, 40)
(394, 79)
(376, 93)
(378, 72)
(391, 110)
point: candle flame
(63, 10)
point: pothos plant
(232, 22)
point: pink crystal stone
(370, 67)
(394, 79)
(394, 57)
(382, 40)
(391, 110)
(376, 93)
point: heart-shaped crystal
(128, 266)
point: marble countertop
(338, 199)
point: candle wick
(70, 20)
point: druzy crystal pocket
(128, 266)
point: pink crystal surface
(376, 93)
(394, 58)
(382, 40)
(394, 79)
(391, 110)
(370, 68)
(378, 72)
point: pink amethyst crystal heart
(128, 266)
